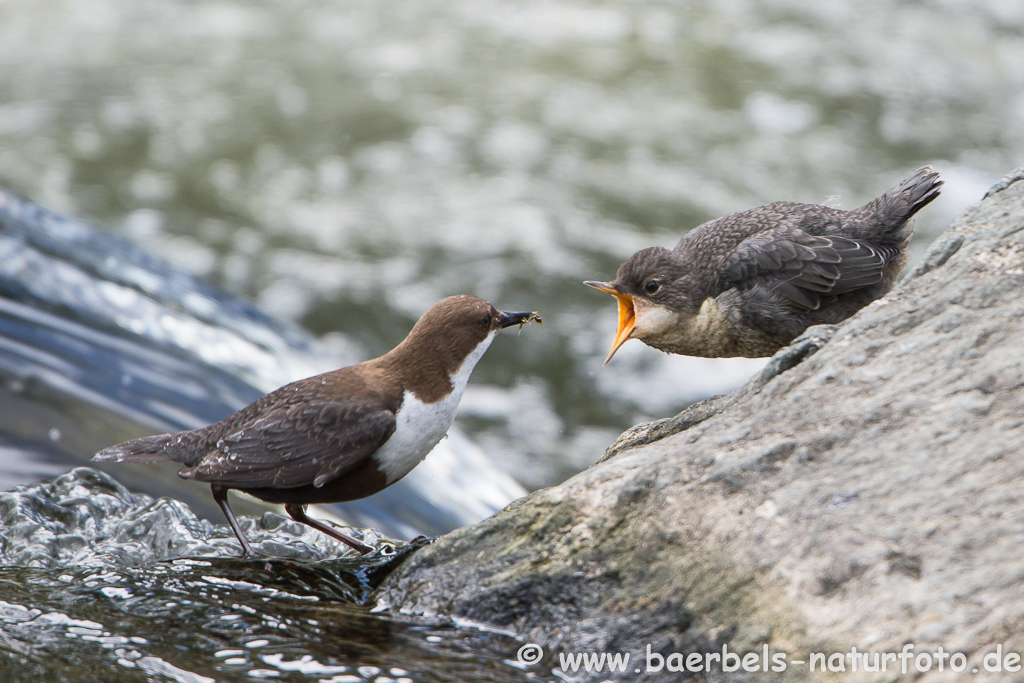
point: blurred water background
(346, 163)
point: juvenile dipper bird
(749, 283)
(343, 435)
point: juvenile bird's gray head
(651, 294)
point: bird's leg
(298, 513)
(220, 494)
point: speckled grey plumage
(765, 274)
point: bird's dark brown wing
(297, 445)
(804, 267)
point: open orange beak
(627, 315)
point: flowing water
(97, 584)
(346, 163)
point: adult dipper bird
(749, 283)
(342, 435)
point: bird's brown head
(652, 290)
(455, 326)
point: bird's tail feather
(900, 203)
(158, 448)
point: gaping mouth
(627, 315)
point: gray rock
(864, 496)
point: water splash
(97, 580)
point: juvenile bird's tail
(897, 206)
(158, 448)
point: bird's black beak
(507, 319)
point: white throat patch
(420, 426)
(653, 320)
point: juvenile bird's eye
(652, 286)
(487, 320)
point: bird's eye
(652, 286)
(487, 320)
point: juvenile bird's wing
(297, 445)
(803, 267)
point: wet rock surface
(863, 492)
(99, 584)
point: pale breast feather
(420, 426)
